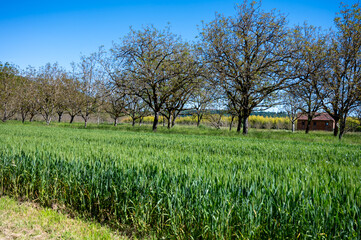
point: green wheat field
(189, 183)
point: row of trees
(247, 62)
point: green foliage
(268, 185)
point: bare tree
(73, 98)
(115, 105)
(292, 106)
(136, 109)
(216, 113)
(310, 61)
(9, 84)
(89, 81)
(250, 55)
(201, 99)
(26, 98)
(176, 104)
(341, 83)
(160, 65)
(47, 78)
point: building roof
(318, 117)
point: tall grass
(189, 186)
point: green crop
(190, 186)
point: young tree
(29, 102)
(61, 97)
(292, 106)
(201, 99)
(136, 109)
(73, 98)
(160, 65)
(175, 105)
(27, 98)
(249, 54)
(116, 105)
(216, 113)
(47, 78)
(89, 78)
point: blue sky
(37, 32)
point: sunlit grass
(190, 182)
(28, 221)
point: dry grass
(28, 221)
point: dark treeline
(248, 62)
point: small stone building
(321, 122)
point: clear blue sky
(36, 32)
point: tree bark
(239, 125)
(169, 122)
(47, 119)
(23, 117)
(72, 118)
(335, 130)
(85, 122)
(245, 125)
(230, 125)
(60, 116)
(115, 122)
(173, 121)
(140, 121)
(155, 122)
(32, 117)
(309, 119)
(4, 116)
(293, 126)
(133, 122)
(199, 118)
(342, 128)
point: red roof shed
(321, 122)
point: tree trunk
(72, 118)
(169, 121)
(155, 122)
(60, 116)
(245, 125)
(335, 130)
(342, 128)
(309, 119)
(140, 121)
(239, 125)
(198, 120)
(115, 122)
(23, 117)
(85, 122)
(163, 121)
(133, 122)
(293, 126)
(173, 121)
(31, 117)
(47, 119)
(4, 116)
(230, 125)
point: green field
(190, 183)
